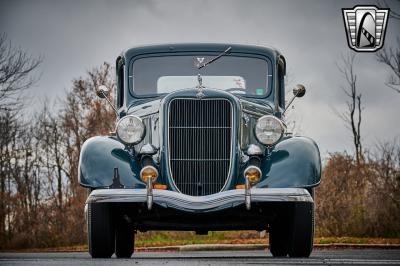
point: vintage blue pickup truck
(201, 145)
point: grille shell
(200, 140)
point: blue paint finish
(99, 156)
(294, 162)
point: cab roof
(200, 47)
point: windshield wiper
(227, 51)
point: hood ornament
(200, 94)
(200, 61)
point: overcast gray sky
(74, 36)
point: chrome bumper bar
(219, 201)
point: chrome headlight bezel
(119, 125)
(280, 129)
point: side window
(120, 83)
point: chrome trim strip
(214, 202)
(252, 113)
(254, 108)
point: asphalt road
(319, 257)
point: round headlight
(269, 130)
(130, 129)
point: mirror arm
(290, 102)
(112, 106)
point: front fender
(99, 156)
(294, 162)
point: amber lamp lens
(253, 174)
(149, 171)
(160, 186)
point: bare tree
(8, 129)
(391, 56)
(387, 171)
(85, 115)
(16, 75)
(293, 119)
(395, 14)
(50, 138)
(16, 69)
(351, 117)
(361, 205)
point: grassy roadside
(319, 240)
(156, 239)
(162, 239)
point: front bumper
(215, 202)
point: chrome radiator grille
(200, 133)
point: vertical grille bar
(200, 135)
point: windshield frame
(271, 71)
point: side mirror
(102, 91)
(299, 90)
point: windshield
(236, 74)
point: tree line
(41, 202)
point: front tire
(302, 235)
(124, 241)
(101, 234)
(293, 233)
(278, 237)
